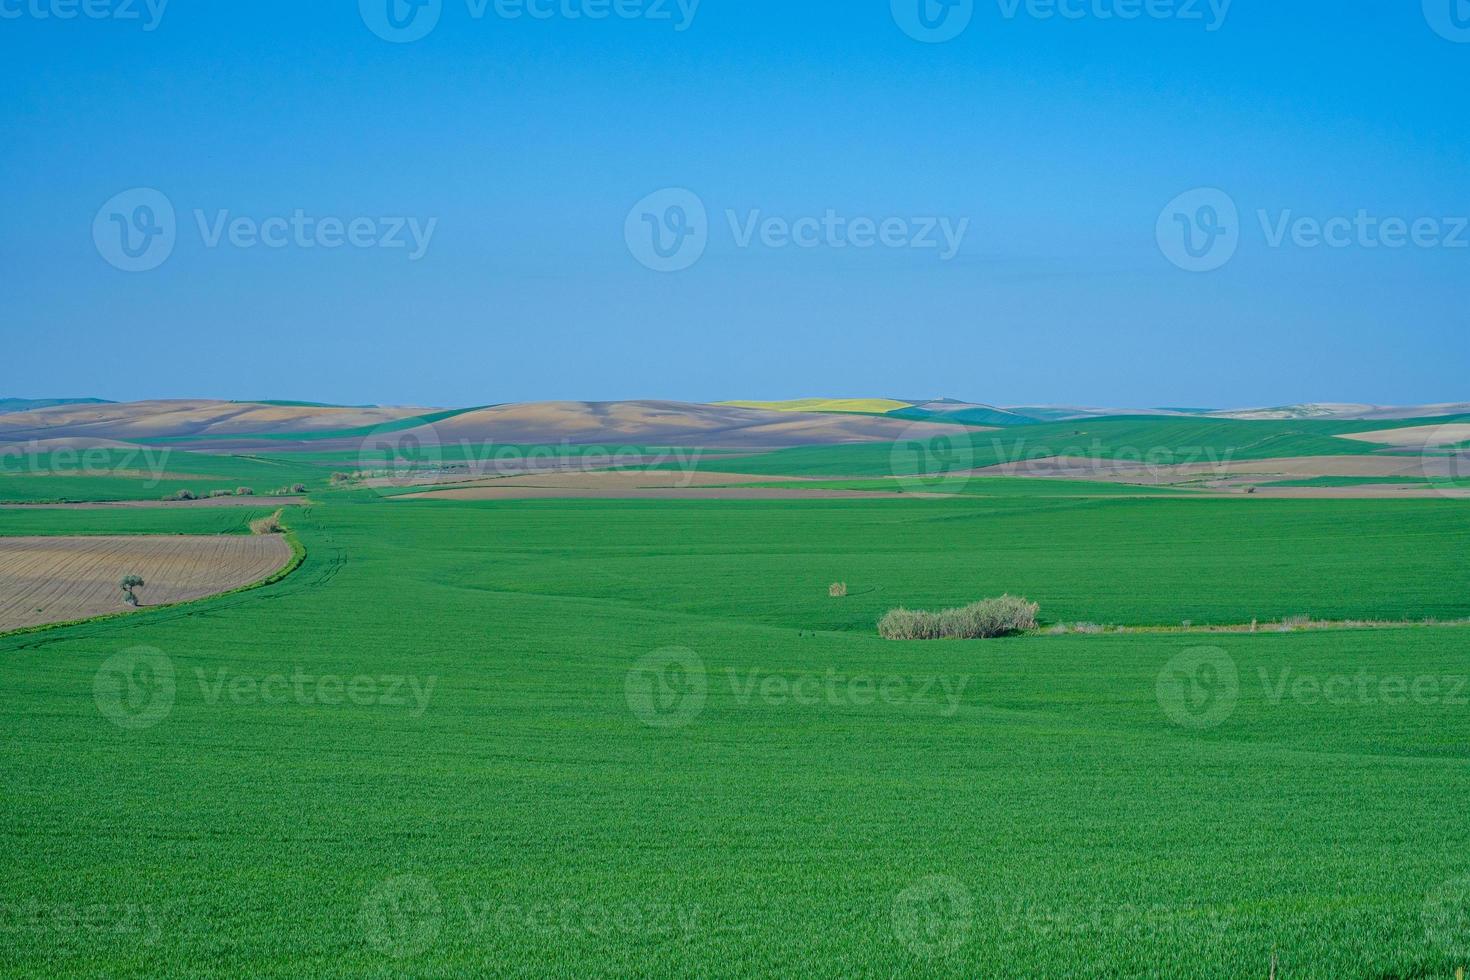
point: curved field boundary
(296, 554)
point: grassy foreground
(607, 737)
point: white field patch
(59, 579)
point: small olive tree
(128, 584)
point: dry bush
(244, 492)
(837, 590)
(1296, 622)
(980, 620)
(270, 524)
(909, 624)
(183, 495)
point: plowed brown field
(58, 579)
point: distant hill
(251, 426)
(180, 419)
(31, 404)
(1329, 410)
(862, 406)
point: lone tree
(128, 584)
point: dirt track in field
(59, 579)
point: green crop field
(130, 520)
(1142, 440)
(639, 738)
(983, 487)
(143, 473)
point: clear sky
(1050, 138)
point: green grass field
(129, 520)
(1145, 440)
(984, 487)
(627, 737)
(144, 473)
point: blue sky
(519, 147)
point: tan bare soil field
(56, 580)
(1418, 436)
(230, 501)
(1261, 470)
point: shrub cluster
(977, 621)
